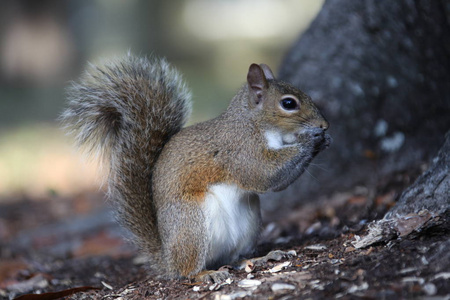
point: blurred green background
(46, 44)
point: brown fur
(133, 111)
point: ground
(53, 246)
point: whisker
(320, 166)
(310, 174)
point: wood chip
(349, 249)
(443, 275)
(276, 287)
(249, 266)
(358, 288)
(317, 247)
(249, 283)
(413, 279)
(107, 285)
(280, 267)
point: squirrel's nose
(323, 124)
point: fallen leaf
(56, 295)
(249, 266)
(349, 249)
(10, 269)
(368, 251)
(280, 267)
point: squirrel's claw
(209, 276)
(275, 255)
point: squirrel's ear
(267, 72)
(257, 81)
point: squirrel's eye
(289, 103)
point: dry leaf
(249, 266)
(56, 295)
(349, 249)
(280, 267)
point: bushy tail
(126, 110)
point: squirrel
(189, 194)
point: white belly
(233, 223)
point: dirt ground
(73, 248)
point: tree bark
(431, 191)
(422, 206)
(380, 71)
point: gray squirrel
(190, 195)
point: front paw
(210, 276)
(316, 138)
(327, 140)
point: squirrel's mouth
(327, 141)
(323, 144)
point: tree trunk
(380, 71)
(424, 205)
(431, 191)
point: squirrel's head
(280, 104)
